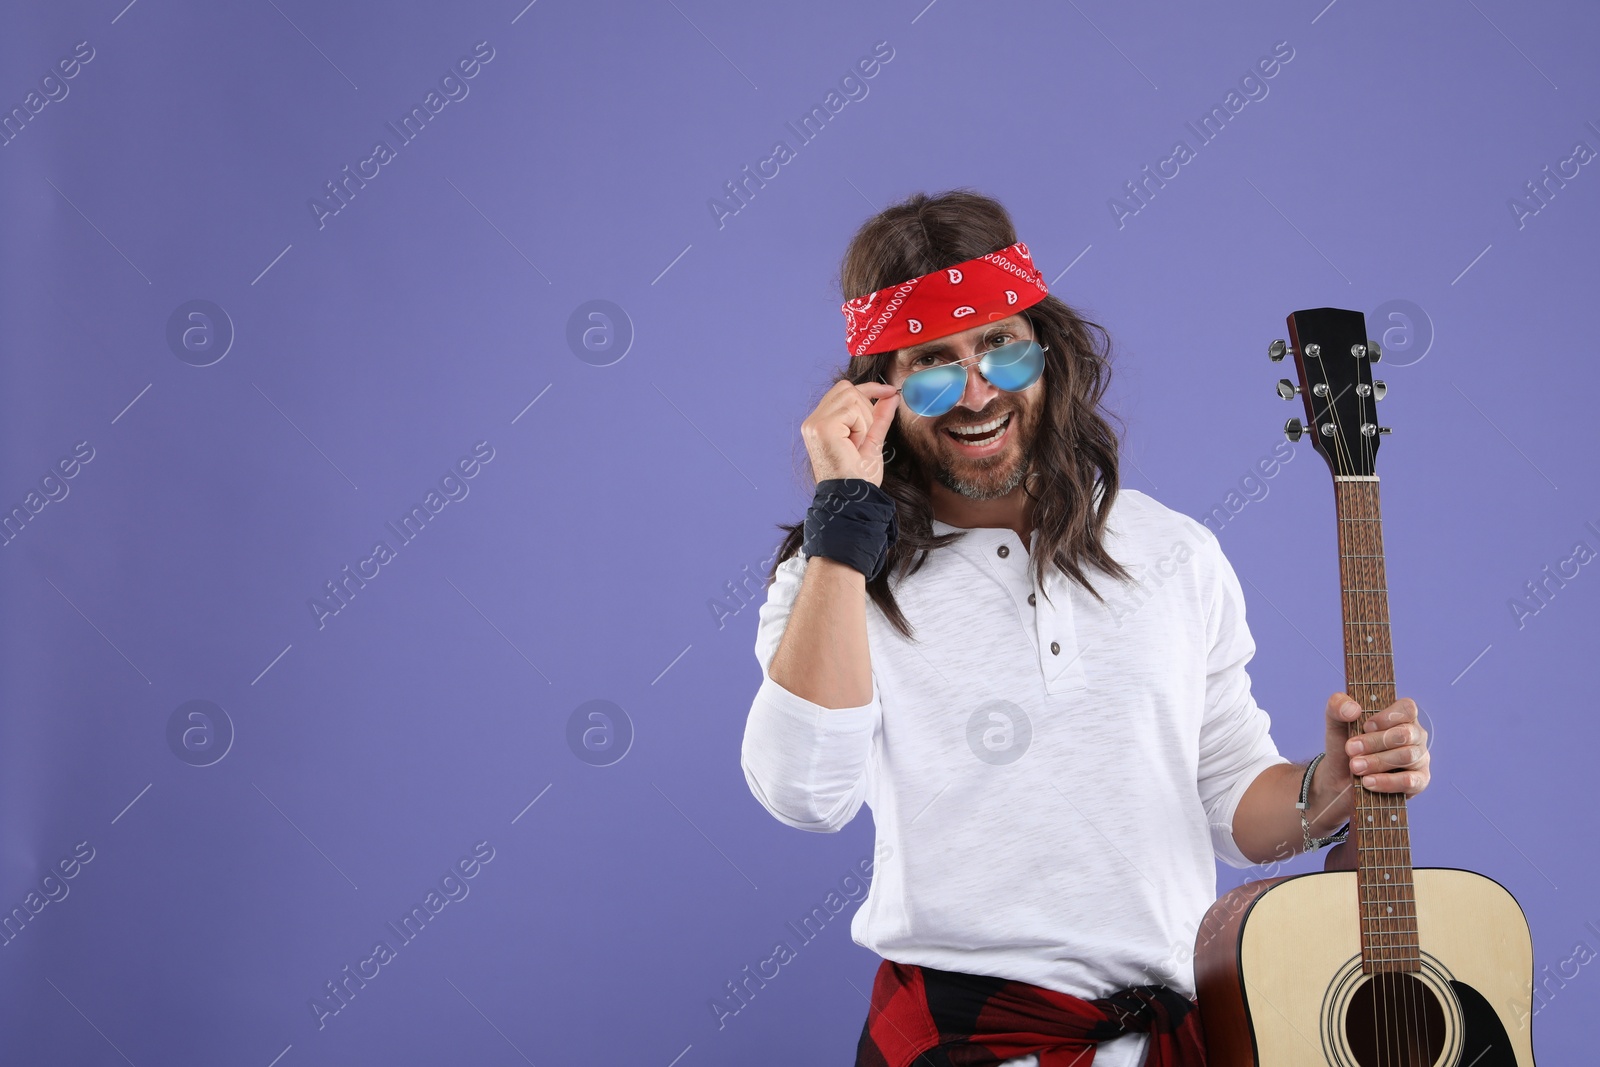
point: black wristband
(852, 521)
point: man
(1034, 677)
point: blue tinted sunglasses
(1012, 367)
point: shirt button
(1004, 551)
(1031, 600)
(1055, 648)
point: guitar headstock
(1334, 361)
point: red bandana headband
(991, 287)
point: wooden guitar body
(1279, 978)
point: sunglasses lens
(1013, 367)
(934, 391)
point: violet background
(370, 354)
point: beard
(984, 483)
(983, 478)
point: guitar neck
(1379, 829)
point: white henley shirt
(1049, 778)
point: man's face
(998, 464)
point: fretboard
(1379, 829)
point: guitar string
(1412, 994)
(1397, 856)
(1357, 541)
(1392, 1039)
(1366, 544)
(1337, 459)
(1397, 1009)
(1340, 462)
(1382, 1031)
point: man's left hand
(1389, 756)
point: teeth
(982, 428)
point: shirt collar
(980, 535)
(942, 527)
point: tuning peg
(1293, 429)
(1313, 350)
(1287, 389)
(1374, 351)
(1278, 349)
(1377, 390)
(1383, 429)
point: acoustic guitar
(1369, 962)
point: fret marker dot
(1394, 818)
(1369, 818)
(1369, 639)
(1391, 909)
(1385, 876)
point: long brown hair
(1075, 451)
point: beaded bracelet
(1305, 801)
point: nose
(979, 390)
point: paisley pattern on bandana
(945, 301)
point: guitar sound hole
(1394, 1020)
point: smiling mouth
(986, 433)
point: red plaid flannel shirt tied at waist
(925, 1017)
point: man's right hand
(844, 435)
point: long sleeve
(807, 764)
(1235, 745)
